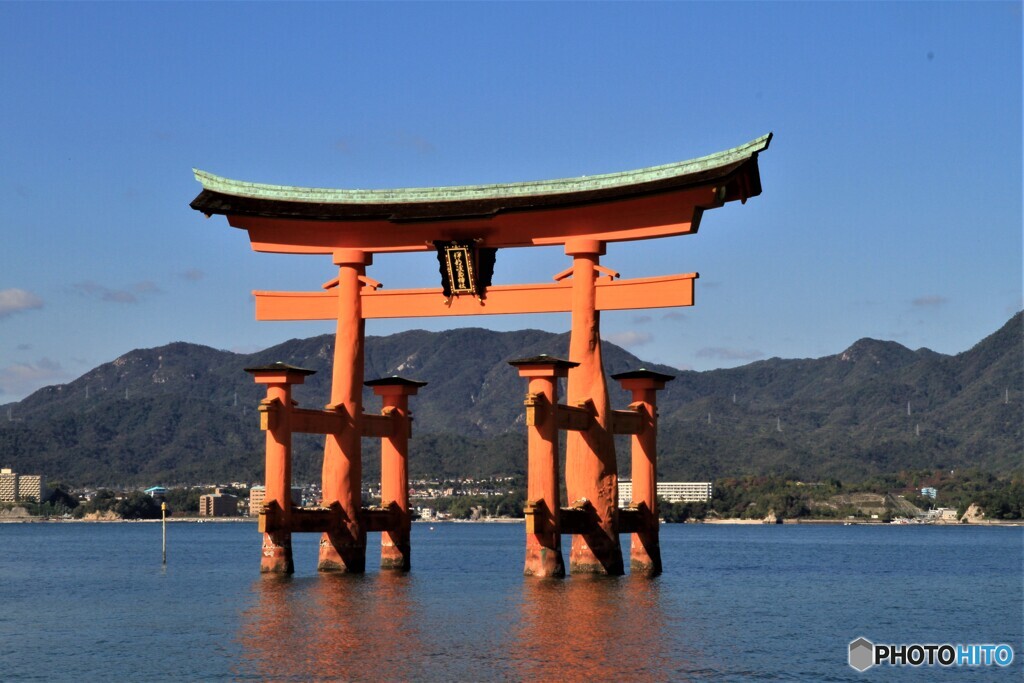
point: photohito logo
(864, 654)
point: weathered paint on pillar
(543, 537)
(275, 419)
(344, 548)
(644, 548)
(395, 549)
(590, 468)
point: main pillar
(644, 548)
(543, 537)
(394, 468)
(590, 469)
(344, 548)
(275, 419)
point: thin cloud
(21, 379)
(724, 353)
(193, 275)
(17, 300)
(674, 316)
(128, 295)
(23, 347)
(630, 339)
(146, 287)
(641, 319)
(930, 301)
(416, 143)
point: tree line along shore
(909, 495)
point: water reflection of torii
(465, 225)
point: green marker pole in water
(163, 525)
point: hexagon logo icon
(862, 654)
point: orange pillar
(644, 548)
(394, 470)
(543, 537)
(590, 469)
(344, 548)
(275, 419)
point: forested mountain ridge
(184, 413)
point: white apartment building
(671, 491)
(15, 487)
(8, 486)
(257, 494)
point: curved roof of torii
(728, 175)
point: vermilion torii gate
(465, 226)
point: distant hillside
(184, 413)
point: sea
(94, 602)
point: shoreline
(521, 520)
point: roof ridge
(241, 188)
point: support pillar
(344, 548)
(543, 537)
(590, 468)
(644, 548)
(275, 420)
(395, 548)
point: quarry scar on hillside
(465, 226)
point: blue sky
(892, 189)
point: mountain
(184, 413)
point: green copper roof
(582, 184)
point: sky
(891, 204)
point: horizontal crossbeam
(573, 418)
(667, 291)
(323, 520)
(627, 422)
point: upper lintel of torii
(657, 201)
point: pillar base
(277, 554)
(544, 563)
(341, 555)
(596, 554)
(395, 557)
(644, 556)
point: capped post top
(395, 386)
(644, 373)
(279, 372)
(394, 381)
(642, 379)
(542, 366)
(280, 367)
(543, 359)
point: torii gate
(466, 225)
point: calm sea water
(92, 602)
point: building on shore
(671, 491)
(16, 487)
(257, 494)
(157, 493)
(218, 504)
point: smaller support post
(543, 530)
(644, 548)
(395, 548)
(275, 420)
